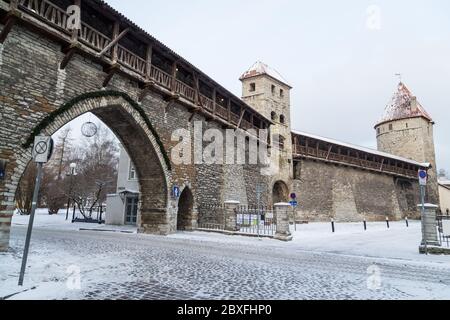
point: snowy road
(202, 266)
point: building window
(273, 90)
(252, 87)
(282, 119)
(378, 130)
(282, 142)
(273, 116)
(281, 93)
(132, 175)
(391, 127)
(407, 126)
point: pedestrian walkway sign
(2, 169)
(176, 192)
(423, 177)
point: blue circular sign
(423, 174)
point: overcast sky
(341, 57)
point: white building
(122, 207)
(444, 194)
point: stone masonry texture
(33, 87)
(328, 191)
(413, 139)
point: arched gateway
(134, 130)
(280, 192)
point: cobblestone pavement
(130, 266)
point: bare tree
(97, 171)
(53, 193)
(443, 174)
(64, 143)
(25, 189)
(97, 162)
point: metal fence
(89, 215)
(256, 220)
(211, 217)
(444, 229)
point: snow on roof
(403, 105)
(260, 68)
(444, 182)
(128, 191)
(355, 147)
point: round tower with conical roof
(406, 130)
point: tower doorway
(280, 192)
(185, 216)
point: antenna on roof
(399, 75)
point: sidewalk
(58, 222)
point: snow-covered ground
(59, 222)
(318, 264)
(399, 242)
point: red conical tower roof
(404, 105)
(260, 68)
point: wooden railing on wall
(302, 151)
(45, 10)
(93, 38)
(207, 103)
(110, 47)
(131, 60)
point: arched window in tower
(281, 93)
(391, 127)
(273, 90)
(282, 119)
(282, 142)
(273, 116)
(252, 87)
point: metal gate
(256, 220)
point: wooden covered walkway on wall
(112, 40)
(307, 146)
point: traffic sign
(423, 177)
(294, 203)
(2, 169)
(293, 196)
(42, 149)
(176, 192)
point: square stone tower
(264, 89)
(406, 130)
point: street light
(73, 167)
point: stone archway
(139, 138)
(185, 215)
(280, 192)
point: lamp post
(73, 167)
